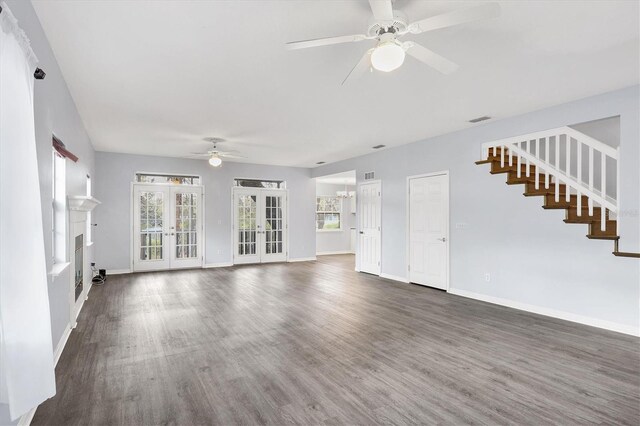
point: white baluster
(502, 156)
(510, 159)
(558, 152)
(557, 189)
(603, 216)
(527, 147)
(568, 164)
(547, 160)
(579, 198)
(603, 177)
(539, 157)
(579, 148)
(590, 202)
(519, 163)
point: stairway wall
(536, 261)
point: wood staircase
(547, 189)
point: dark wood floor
(316, 343)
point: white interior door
(429, 230)
(167, 227)
(260, 225)
(369, 198)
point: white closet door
(369, 196)
(429, 231)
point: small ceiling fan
(389, 25)
(214, 154)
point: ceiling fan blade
(303, 44)
(201, 154)
(457, 17)
(430, 58)
(382, 9)
(225, 155)
(360, 68)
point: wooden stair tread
(626, 254)
(603, 237)
(484, 161)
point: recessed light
(476, 120)
(378, 146)
(320, 162)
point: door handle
(443, 239)
(362, 232)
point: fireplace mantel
(82, 203)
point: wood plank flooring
(316, 343)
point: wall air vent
(479, 119)
(320, 162)
(378, 146)
(369, 175)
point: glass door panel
(149, 239)
(274, 243)
(186, 226)
(246, 232)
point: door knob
(443, 239)
(362, 232)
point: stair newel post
(603, 217)
(568, 163)
(548, 161)
(557, 193)
(603, 175)
(579, 198)
(579, 155)
(590, 202)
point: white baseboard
(567, 316)
(61, 344)
(328, 253)
(394, 277)
(118, 271)
(218, 265)
(25, 419)
(302, 259)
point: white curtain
(26, 354)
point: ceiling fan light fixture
(215, 161)
(387, 56)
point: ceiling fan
(389, 25)
(214, 154)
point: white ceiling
(344, 178)
(157, 77)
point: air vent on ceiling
(369, 175)
(479, 119)
(378, 146)
(320, 162)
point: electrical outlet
(487, 277)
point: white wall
(328, 242)
(115, 172)
(534, 258)
(55, 113)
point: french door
(369, 196)
(259, 225)
(167, 227)
(429, 230)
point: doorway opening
(336, 216)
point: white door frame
(133, 218)
(358, 218)
(233, 247)
(408, 218)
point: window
(161, 178)
(257, 183)
(328, 210)
(89, 225)
(58, 209)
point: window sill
(322, 231)
(58, 268)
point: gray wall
(55, 113)
(533, 257)
(336, 241)
(115, 172)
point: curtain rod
(38, 74)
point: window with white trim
(328, 213)
(58, 209)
